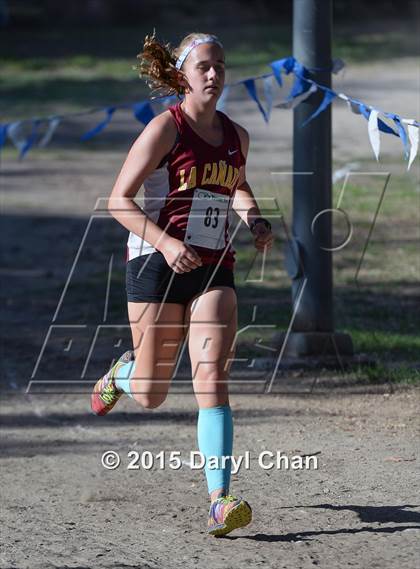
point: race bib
(207, 220)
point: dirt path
(359, 509)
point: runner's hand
(263, 237)
(182, 258)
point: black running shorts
(148, 279)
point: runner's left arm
(244, 202)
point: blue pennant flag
(250, 87)
(29, 142)
(100, 126)
(143, 112)
(286, 64)
(166, 101)
(365, 111)
(328, 97)
(402, 133)
(26, 133)
(385, 128)
(3, 134)
(300, 85)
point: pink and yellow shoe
(105, 393)
(228, 513)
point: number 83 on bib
(207, 220)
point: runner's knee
(210, 379)
(150, 400)
(210, 372)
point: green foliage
(382, 373)
(46, 70)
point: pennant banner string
(26, 133)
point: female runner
(179, 279)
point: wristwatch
(259, 220)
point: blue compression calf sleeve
(215, 438)
(122, 377)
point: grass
(383, 374)
(380, 310)
(50, 70)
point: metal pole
(313, 324)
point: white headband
(192, 45)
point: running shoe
(105, 393)
(228, 513)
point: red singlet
(191, 192)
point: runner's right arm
(155, 142)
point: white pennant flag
(413, 135)
(268, 94)
(221, 103)
(342, 172)
(18, 134)
(354, 107)
(374, 132)
(297, 100)
(52, 125)
(342, 96)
